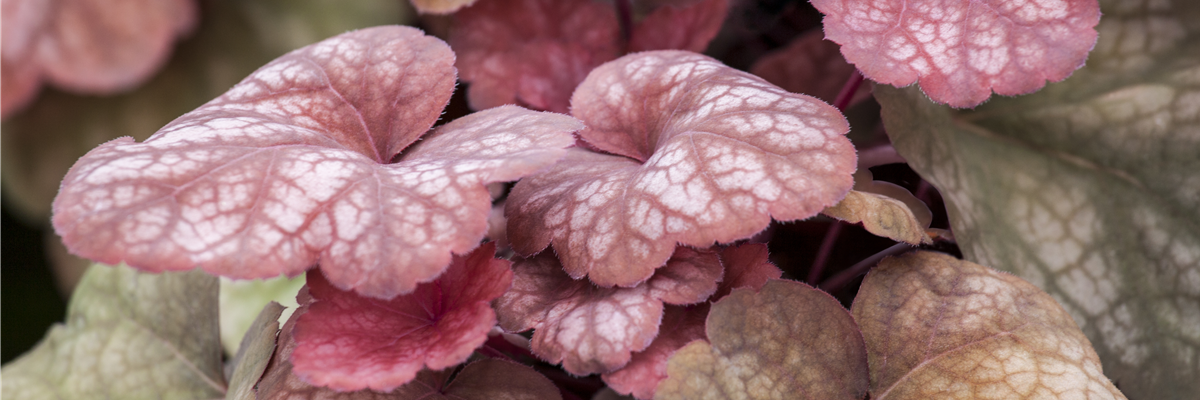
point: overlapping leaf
(745, 266)
(127, 335)
(591, 329)
(679, 26)
(769, 345)
(440, 6)
(936, 326)
(291, 165)
(231, 41)
(86, 46)
(349, 342)
(243, 301)
(961, 50)
(254, 353)
(1088, 190)
(884, 209)
(705, 154)
(809, 64)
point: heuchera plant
(635, 242)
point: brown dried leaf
(440, 6)
(936, 326)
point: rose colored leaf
(127, 335)
(531, 52)
(349, 342)
(590, 329)
(87, 46)
(254, 353)
(746, 265)
(440, 6)
(713, 155)
(286, 169)
(809, 64)
(786, 341)
(683, 27)
(962, 50)
(938, 326)
(884, 209)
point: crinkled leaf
(127, 335)
(531, 52)
(346, 341)
(243, 301)
(440, 6)
(809, 64)
(786, 341)
(287, 167)
(961, 50)
(87, 46)
(591, 329)
(254, 353)
(231, 41)
(1088, 190)
(713, 155)
(683, 27)
(938, 326)
(745, 266)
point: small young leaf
(590, 329)
(86, 46)
(962, 50)
(938, 326)
(809, 64)
(440, 6)
(128, 335)
(292, 165)
(349, 342)
(884, 209)
(786, 341)
(711, 154)
(254, 353)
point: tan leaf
(440, 6)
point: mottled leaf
(127, 335)
(962, 50)
(231, 41)
(745, 266)
(86, 46)
(1088, 190)
(242, 302)
(884, 209)
(809, 64)
(788, 341)
(591, 329)
(291, 165)
(254, 353)
(682, 27)
(936, 326)
(711, 154)
(346, 341)
(440, 6)
(531, 52)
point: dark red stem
(818, 265)
(842, 278)
(848, 90)
(625, 18)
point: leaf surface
(86, 46)
(243, 301)
(961, 50)
(591, 329)
(938, 326)
(703, 153)
(680, 26)
(1088, 190)
(127, 335)
(349, 342)
(291, 166)
(809, 64)
(884, 209)
(254, 353)
(769, 345)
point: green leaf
(128, 335)
(254, 353)
(242, 301)
(1088, 189)
(786, 341)
(233, 39)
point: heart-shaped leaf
(291, 165)
(1088, 190)
(769, 345)
(962, 50)
(591, 329)
(349, 342)
(127, 335)
(86, 46)
(936, 326)
(711, 154)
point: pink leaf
(86, 46)
(590, 329)
(712, 155)
(682, 27)
(349, 342)
(962, 50)
(810, 65)
(745, 266)
(531, 52)
(290, 167)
